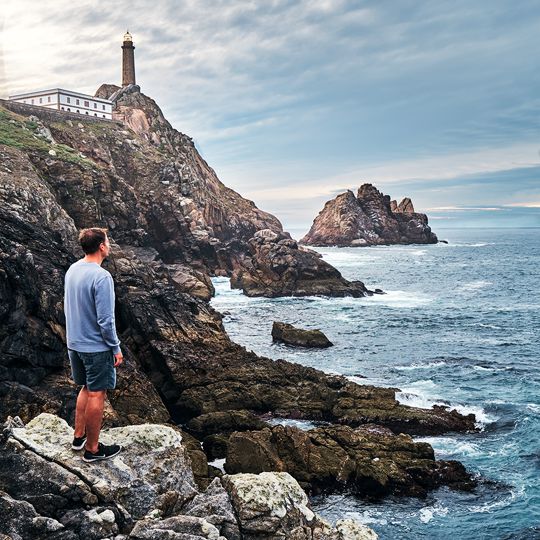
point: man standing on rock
(93, 346)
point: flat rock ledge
(289, 334)
(370, 461)
(147, 492)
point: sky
(293, 102)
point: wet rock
(370, 460)
(370, 218)
(276, 266)
(290, 335)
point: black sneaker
(78, 442)
(104, 452)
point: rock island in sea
(368, 219)
(173, 225)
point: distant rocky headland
(368, 219)
(173, 225)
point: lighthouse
(128, 60)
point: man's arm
(104, 298)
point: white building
(66, 100)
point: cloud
(292, 101)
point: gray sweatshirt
(89, 308)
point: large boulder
(370, 218)
(272, 505)
(371, 460)
(151, 469)
(287, 333)
(277, 266)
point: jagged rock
(405, 206)
(224, 422)
(370, 460)
(152, 464)
(287, 333)
(272, 505)
(215, 506)
(214, 428)
(175, 528)
(20, 521)
(277, 267)
(370, 218)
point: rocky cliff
(172, 225)
(369, 218)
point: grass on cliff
(20, 133)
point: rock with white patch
(152, 468)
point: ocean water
(459, 325)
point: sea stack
(370, 218)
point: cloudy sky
(293, 102)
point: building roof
(60, 91)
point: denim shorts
(94, 370)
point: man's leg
(94, 418)
(80, 412)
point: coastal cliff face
(368, 219)
(172, 224)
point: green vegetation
(20, 133)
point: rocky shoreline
(173, 225)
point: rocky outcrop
(370, 460)
(277, 266)
(147, 492)
(370, 218)
(287, 333)
(275, 503)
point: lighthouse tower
(128, 60)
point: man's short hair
(91, 239)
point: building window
(95, 105)
(95, 114)
(86, 104)
(41, 100)
(103, 107)
(32, 102)
(68, 100)
(49, 99)
(78, 110)
(103, 116)
(77, 102)
(69, 109)
(62, 108)
(86, 112)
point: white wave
(534, 407)
(400, 299)
(501, 503)
(419, 395)
(468, 244)
(429, 512)
(219, 463)
(366, 518)
(452, 446)
(476, 285)
(304, 425)
(428, 365)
